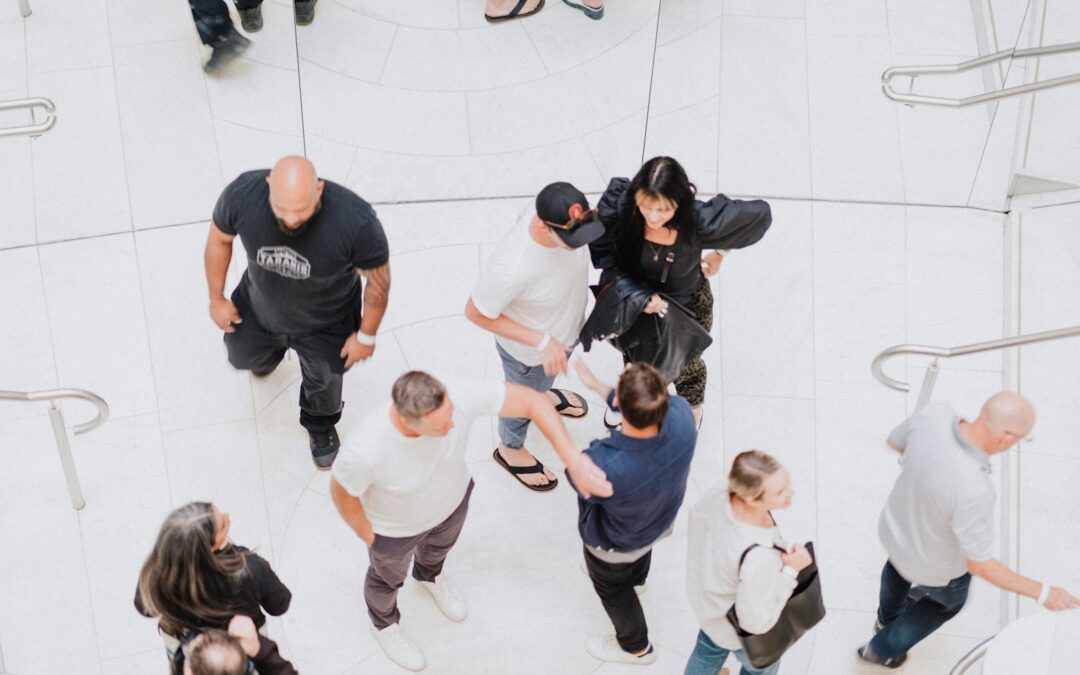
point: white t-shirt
(542, 288)
(409, 485)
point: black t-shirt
(300, 284)
(683, 271)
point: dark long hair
(659, 178)
(184, 581)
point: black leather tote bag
(804, 610)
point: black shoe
(251, 19)
(867, 654)
(226, 50)
(305, 12)
(324, 448)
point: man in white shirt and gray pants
(937, 525)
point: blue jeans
(708, 658)
(512, 430)
(907, 622)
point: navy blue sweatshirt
(649, 480)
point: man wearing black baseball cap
(532, 296)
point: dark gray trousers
(390, 558)
(252, 347)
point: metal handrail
(30, 103)
(972, 657)
(915, 71)
(24, 8)
(60, 428)
(944, 352)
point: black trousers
(252, 347)
(212, 17)
(614, 583)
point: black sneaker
(251, 19)
(867, 654)
(612, 419)
(324, 448)
(226, 50)
(305, 12)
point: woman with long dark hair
(196, 578)
(660, 235)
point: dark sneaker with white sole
(867, 654)
(226, 50)
(251, 19)
(305, 12)
(324, 448)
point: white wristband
(544, 342)
(1044, 594)
(365, 339)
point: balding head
(1007, 417)
(215, 652)
(295, 191)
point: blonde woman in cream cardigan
(728, 520)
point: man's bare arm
(216, 259)
(521, 401)
(376, 297)
(352, 511)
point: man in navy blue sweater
(648, 463)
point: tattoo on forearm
(377, 289)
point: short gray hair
(416, 394)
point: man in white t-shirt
(532, 296)
(404, 488)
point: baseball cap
(553, 206)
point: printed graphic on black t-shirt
(284, 261)
(301, 284)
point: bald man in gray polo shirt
(937, 525)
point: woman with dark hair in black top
(195, 578)
(660, 235)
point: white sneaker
(606, 648)
(640, 590)
(398, 648)
(446, 597)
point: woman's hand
(798, 559)
(656, 305)
(710, 264)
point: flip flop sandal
(516, 472)
(564, 404)
(515, 13)
(594, 13)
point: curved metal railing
(60, 428)
(945, 352)
(915, 71)
(972, 657)
(30, 129)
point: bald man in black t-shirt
(308, 244)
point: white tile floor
(448, 124)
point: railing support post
(929, 380)
(60, 432)
(24, 8)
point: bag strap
(752, 546)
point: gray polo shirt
(940, 512)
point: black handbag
(804, 610)
(667, 342)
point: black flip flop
(565, 404)
(515, 13)
(516, 471)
